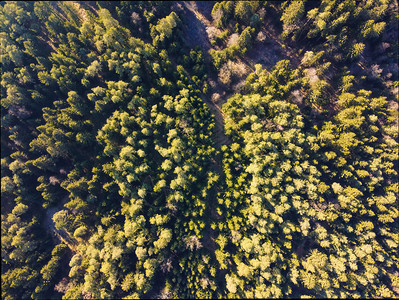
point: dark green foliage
(114, 186)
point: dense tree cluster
(113, 186)
(320, 203)
(238, 17)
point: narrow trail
(287, 51)
(192, 6)
(220, 138)
(58, 235)
(195, 26)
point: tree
(243, 12)
(61, 220)
(80, 232)
(245, 39)
(292, 16)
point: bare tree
(136, 20)
(63, 286)
(225, 74)
(261, 37)
(193, 242)
(166, 265)
(215, 97)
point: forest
(199, 149)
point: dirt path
(205, 5)
(196, 25)
(58, 235)
(220, 138)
